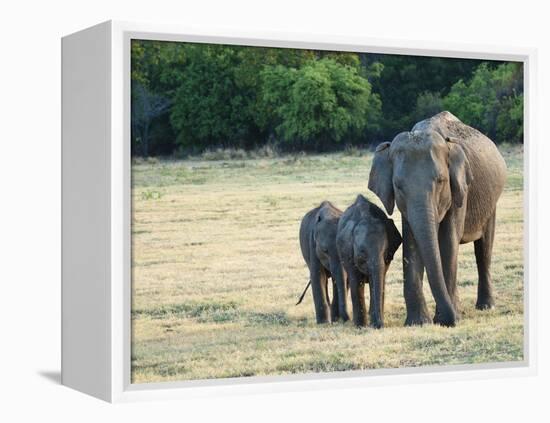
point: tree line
(190, 97)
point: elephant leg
(413, 273)
(326, 289)
(339, 300)
(319, 281)
(357, 288)
(335, 302)
(449, 242)
(483, 248)
(371, 300)
(374, 320)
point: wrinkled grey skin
(318, 244)
(445, 178)
(367, 241)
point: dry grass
(217, 270)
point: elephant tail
(304, 293)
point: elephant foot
(323, 320)
(344, 317)
(485, 304)
(437, 316)
(419, 319)
(377, 324)
(340, 317)
(360, 323)
(445, 319)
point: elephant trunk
(425, 231)
(376, 286)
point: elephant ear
(460, 172)
(381, 173)
(394, 239)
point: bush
(319, 103)
(210, 107)
(224, 154)
(427, 104)
(492, 101)
(352, 151)
(509, 124)
(267, 151)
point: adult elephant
(445, 178)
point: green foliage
(151, 195)
(276, 86)
(188, 98)
(323, 101)
(216, 99)
(146, 106)
(155, 66)
(428, 104)
(207, 99)
(509, 123)
(492, 101)
(405, 78)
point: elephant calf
(367, 240)
(318, 244)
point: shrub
(352, 151)
(224, 154)
(267, 151)
(492, 101)
(320, 102)
(428, 104)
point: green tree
(491, 101)
(216, 96)
(209, 108)
(427, 104)
(321, 102)
(405, 78)
(146, 106)
(155, 70)
(221, 95)
(509, 123)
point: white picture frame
(96, 255)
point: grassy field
(217, 270)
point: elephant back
(486, 163)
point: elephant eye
(441, 179)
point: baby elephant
(318, 244)
(367, 241)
